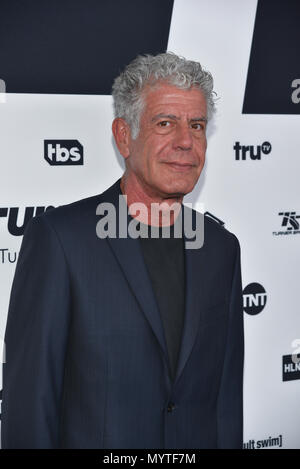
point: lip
(181, 166)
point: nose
(183, 138)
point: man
(125, 342)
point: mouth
(182, 167)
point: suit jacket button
(170, 407)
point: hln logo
(242, 151)
(63, 152)
(290, 368)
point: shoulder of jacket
(215, 227)
(79, 209)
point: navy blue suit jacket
(86, 356)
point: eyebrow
(172, 116)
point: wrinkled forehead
(162, 96)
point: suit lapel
(129, 255)
(195, 298)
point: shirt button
(170, 407)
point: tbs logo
(63, 152)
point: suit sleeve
(35, 341)
(230, 399)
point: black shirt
(165, 262)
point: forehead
(165, 97)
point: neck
(158, 209)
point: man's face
(169, 153)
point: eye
(164, 124)
(197, 126)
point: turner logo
(254, 298)
(289, 223)
(254, 152)
(63, 152)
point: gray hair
(148, 69)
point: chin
(178, 188)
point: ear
(122, 135)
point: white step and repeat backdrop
(250, 182)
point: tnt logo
(241, 151)
(254, 298)
(63, 152)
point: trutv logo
(15, 225)
(63, 152)
(243, 152)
